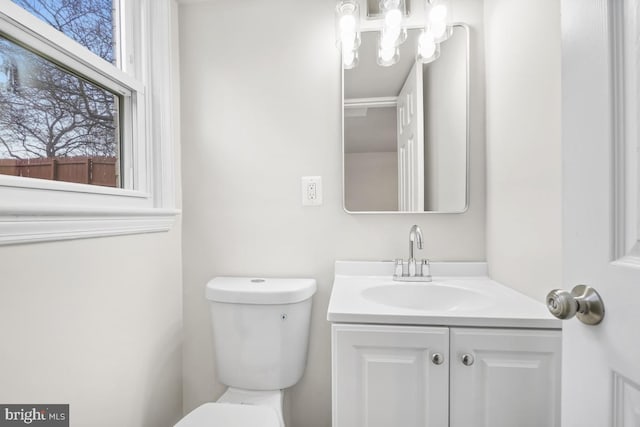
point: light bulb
(393, 18)
(347, 24)
(439, 19)
(349, 58)
(438, 13)
(386, 54)
(348, 41)
(426, 45)
(390, 37)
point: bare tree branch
(46, 111)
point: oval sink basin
(427, 296)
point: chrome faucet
(413, 275)
(415, 236)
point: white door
(411, 142)
(601, 364)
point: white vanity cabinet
(511, 378)
(384, 376)
(423, 376)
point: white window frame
(40, 210)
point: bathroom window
(84, 150)
(55, 124)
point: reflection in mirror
(405, 136)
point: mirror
(405, 129)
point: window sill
(35, 210)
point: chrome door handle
(583, 302)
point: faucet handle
(399, 269)
(425, 268)
(415, 272)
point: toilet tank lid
(257, 290)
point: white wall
(261, 107)
(524, 144)
(371, 181)
(97, 324)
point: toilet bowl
(261, 334)
(230, 415)
(238, 408)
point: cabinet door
(512, 380)
(384, 376)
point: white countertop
(498, 305)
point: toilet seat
(230, 415)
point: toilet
(261, 335)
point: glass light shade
(428, 49)
(388, 56)
(392, 37)
(349, 59)
(347, 25)
(393, 29)
(393, 18)
(440, 19)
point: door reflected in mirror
(405, 141)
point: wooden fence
(84, 170)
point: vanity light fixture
(348, 31)
(438, 27)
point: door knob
(583, 302)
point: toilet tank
(260, 330)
